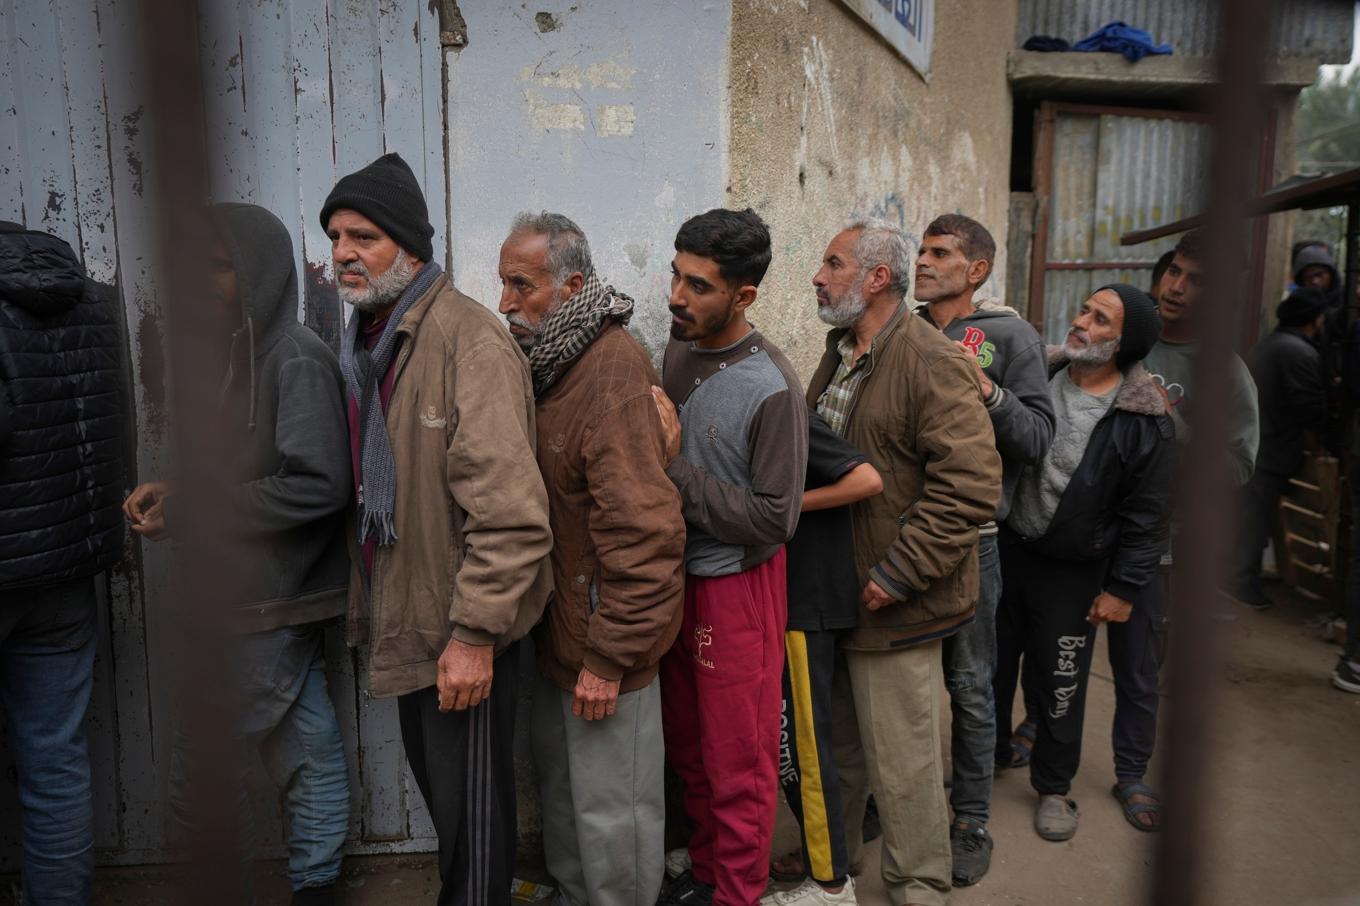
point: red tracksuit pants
(720, 698)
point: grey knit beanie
(1142, 324)
(386, 192)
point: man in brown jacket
(617, 560)
(899, 390)
(450, 569)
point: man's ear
(745, 296)
(877, 280)
(573, 284)
(978, 272)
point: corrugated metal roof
(1303, 28)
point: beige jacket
(471, 556)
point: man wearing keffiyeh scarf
(451, 535)
(618, 546)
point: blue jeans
(969, 662)
(47, 644)
(287, 715)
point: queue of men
(758, 584)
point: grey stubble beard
(382, 290)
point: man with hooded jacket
(281, 395)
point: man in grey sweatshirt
(281, 395)
(955, 259)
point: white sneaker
(810, 893)
(677, 862)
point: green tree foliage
(1327, 131)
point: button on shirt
(834, 403)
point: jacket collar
(410, 324)
(833, 337)
(1138, 393)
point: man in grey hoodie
(954, 260)
(282, 394)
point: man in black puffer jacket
(61, 477)
(1086, 531)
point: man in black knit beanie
(1085, 534)
(450, 565)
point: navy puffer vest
(61, 416)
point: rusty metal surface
(297, 92)
(1105, 171)
(1319, 29)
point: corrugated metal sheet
(299, 91)
(1113, 174)
(1303, 28)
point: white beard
(382, 290)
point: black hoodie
(282, 399)
(61, 416)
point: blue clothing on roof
(1117, 37)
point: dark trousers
(1042, 618)
(807, 768)
(463, 762)
(1262, 501)
(1351, 651)
(1137, 649)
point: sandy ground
(1284, 797)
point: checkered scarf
(573, 327)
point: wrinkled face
(1318, 276)
(941, 269)
(1179, 289)
(371, 270)
(1094, 336)
(702, 302)
(529, 296)
(839, 282)
(222, 279)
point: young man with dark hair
(953, 263)
(1087, 528)
(739, 467)
(1136, 648)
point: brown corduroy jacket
(919, 417)
(471, 556)
(618, 533)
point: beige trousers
(887, 741)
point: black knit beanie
(1302, 307)
(386, 192)
(1142, 324)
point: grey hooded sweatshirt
(1011, 354)
(282, 401)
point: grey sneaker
(686, 891)
(1346, 676)
(971, 847)
(1056, 818)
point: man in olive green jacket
(897, 389)
(450, 565)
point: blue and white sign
(908, 25)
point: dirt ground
(1285, 795)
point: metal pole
(206, 745)
(1238, 105)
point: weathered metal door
(1101, 172)
(298, 92)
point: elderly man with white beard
(451, 555)
(1086, 531)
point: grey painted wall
(611, 112)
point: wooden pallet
(1309, 534)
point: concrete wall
(610, 112)
(827, 121)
